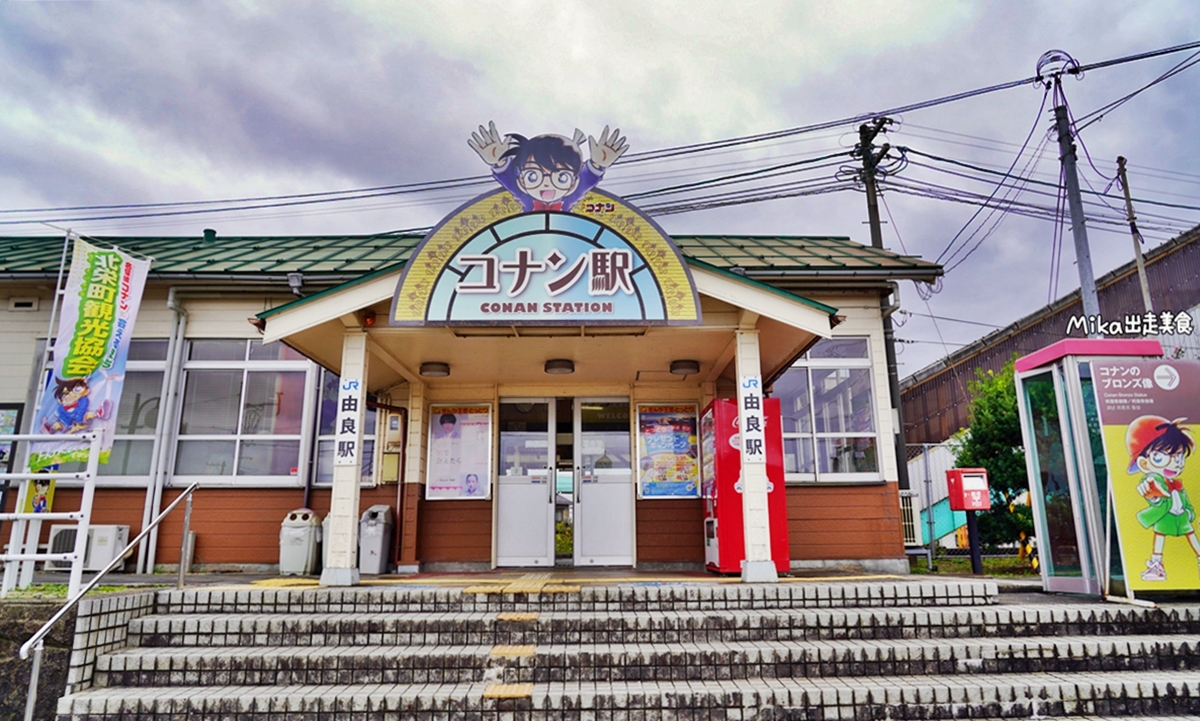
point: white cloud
(685, 70)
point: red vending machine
(721, 487)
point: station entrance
(565, 493)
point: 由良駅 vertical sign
(1149, 415)
(100, 305)
(546, 248)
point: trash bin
(298, 538)
(375, 540)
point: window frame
(246, 366)
(808, 365)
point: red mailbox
(969, 489)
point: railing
(36, 641)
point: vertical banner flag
(1149, 416)
(100, 305)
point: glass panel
(274, 403)
(847, 455)
(604, 438)
(204, 458)
(211, 401)
(1092, 418)
(128, 458)
(792, 391)
(272, 351)
(839, 348)
(325, 461)
(148, 349)
(798, 455)
(328, 409)
(1060, 551)
(217, 349)
(842, 397)
(524, 439)
(268, 458)
(138, 411)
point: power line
(660, 154)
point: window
(137, 416)
(326, 416)
(830, 431)
(242, 412)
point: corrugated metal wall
(936, 405)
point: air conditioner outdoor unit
(104, 543)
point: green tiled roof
(346, 256)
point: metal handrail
(36, 641)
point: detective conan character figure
(73, 412)
(1158, 449)
(547, 172)
(40, 501)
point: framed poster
(668, 465)
(10, 423)
(460, 451)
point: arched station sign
(547, 248)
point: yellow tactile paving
(485, 588)
(508, 690)
(512, 651)
(287, 583)
(517, 616)
(560, 588)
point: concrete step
(286, 666)
(1122, 694)
(893, 591)
(565, 627)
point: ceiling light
(435, 370)
(560, 367)
(685, 367)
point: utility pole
(871, 159)
(1083, 255)
(1137, 237)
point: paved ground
(589, 576)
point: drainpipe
(163, 434)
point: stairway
(896, 648)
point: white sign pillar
(341, 567)
(758, 566)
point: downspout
(164, 434)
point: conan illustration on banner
(548, 247)
(100, 305)
(1148, 410)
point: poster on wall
(1150, 415)
(10, 423)
(460, 451)
(667, 451)
(100, 304)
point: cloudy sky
(108, 103)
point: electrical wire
(1098, 114)
(659, 154)
(1012, 165)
